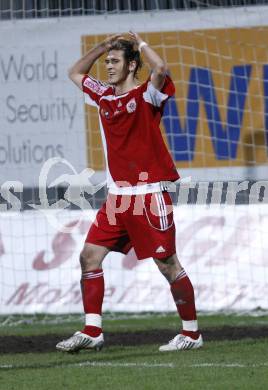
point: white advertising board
(41, 113)
(223, 249)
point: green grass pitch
(226, 364)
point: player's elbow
(71, 73)
(160, 69)
(76, 78)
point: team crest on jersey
(104, 113)
(131, 105)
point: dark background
(22, 9)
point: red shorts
(144, 222)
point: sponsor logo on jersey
(131, 105)
(94, 86)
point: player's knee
(165, 270)
(169, 267)
(89, 259)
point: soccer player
(138, 210)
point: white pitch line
(99, 364)
(111, 364)
(228, 365)
(144, 365)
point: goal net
(53, 167)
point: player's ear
(132, 66)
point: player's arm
(77, 72)
(156, 63)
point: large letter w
(224, 137)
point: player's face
(116, 67)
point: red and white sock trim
(92, 319)
(181, 274)
(92, 275)
(191, 326)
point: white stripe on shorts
(164, 209)
(159, 211)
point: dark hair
(130, 53)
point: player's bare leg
(183, 295)
(92, 256)
(170, 267)
(92, 287)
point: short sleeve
(154, 96)
(93, 90)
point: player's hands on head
(135, 37)
(107, 43)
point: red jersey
(129, 124)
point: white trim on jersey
(113, 97)
(149, 188)
(110, 181)
(154, 96)
(90, 101)
(142, 189)
(116, 97)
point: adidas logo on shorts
(160, 249)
